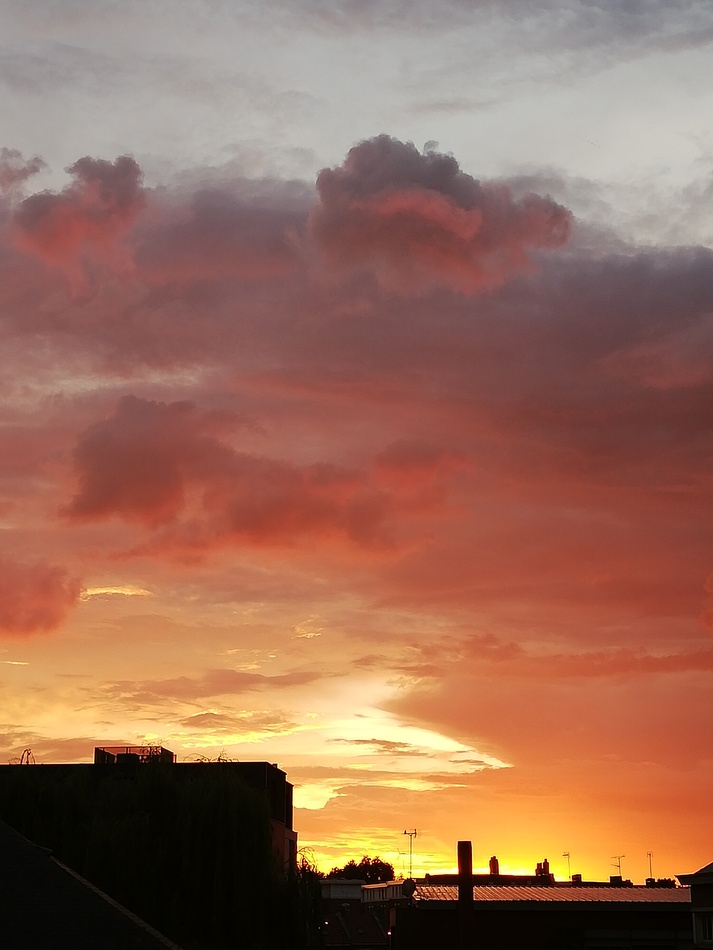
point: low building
(512, 912)
(350, 918)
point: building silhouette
(467, 911)
(701, 885)
(264, 777)
(202, 851)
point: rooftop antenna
(565, 854)
(650, 855)
(411, 836)
(27, 758)
(616, 858)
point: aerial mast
(411, 836)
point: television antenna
(565, 854)
(411, 836)
(650, 856)
(616, 858)
(27, 758)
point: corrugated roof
(661, 895)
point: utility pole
(411, 836)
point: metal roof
(559, 893)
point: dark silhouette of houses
(512, 912)
(348, 920)
(48, 907)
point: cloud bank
(409, 410)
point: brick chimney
(465, 872)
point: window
(705, 927)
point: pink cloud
(497, 505)
(417, 471)
(544, 721)
(171, 465)
(136, 464)
(34, 597)
(417, 221)
(81, 229)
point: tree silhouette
(370, 870)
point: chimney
(494, 866)
(465, 872)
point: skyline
(357, 387)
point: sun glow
(125, 590)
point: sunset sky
(357, 411)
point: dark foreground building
(201, 851)
(701, 885)
(265, 778)
(47, 906)
(349, 919)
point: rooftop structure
(140, 754)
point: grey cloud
(230, 722)
(217, 682)
(386, 747)
(15, 170)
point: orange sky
(402, 481)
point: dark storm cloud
(416, 220)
